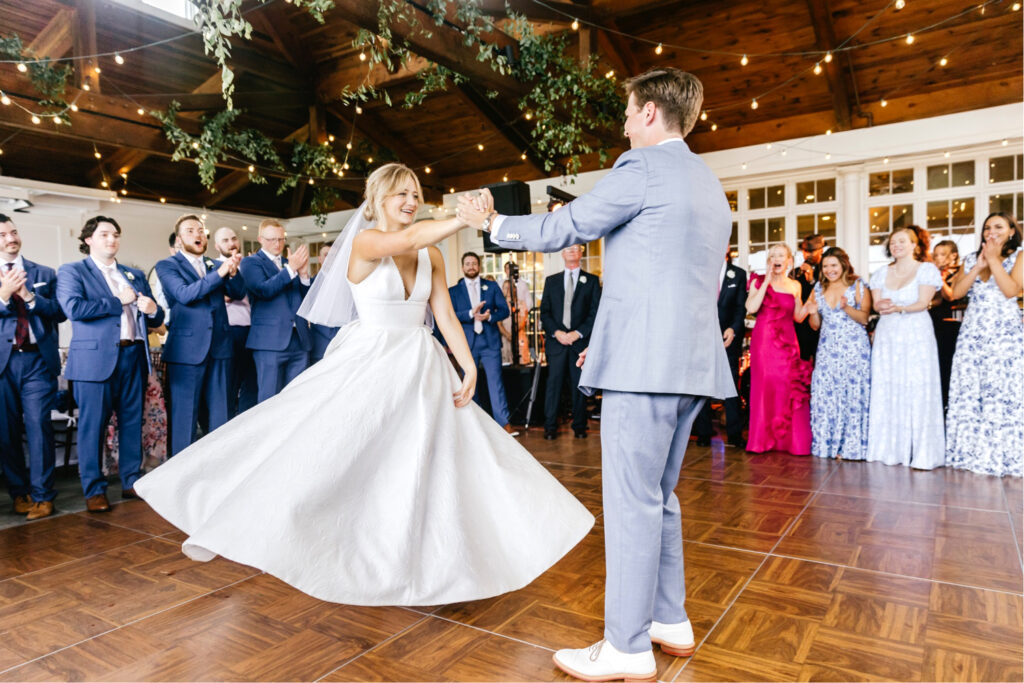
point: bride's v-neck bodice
(380, 298)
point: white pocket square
(38, 285)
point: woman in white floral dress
(985, 422)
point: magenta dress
(780, 395)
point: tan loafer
(97, 503)
(40, 509)
(22, 505)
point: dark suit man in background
(198, 347)
(29, 367)
(732, 297)
(110, 306)
(567, 312)
(280, 340)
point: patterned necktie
(129, 314)
(567, 304)
(21, 327)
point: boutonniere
(127, 274)
(208, 263)
(583, 278)
(730, 273)
(483, 288)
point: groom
(652, 356)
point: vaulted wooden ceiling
(290, 76)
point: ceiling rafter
(825, 39)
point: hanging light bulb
(97, 69)
(97, 155)
(451, 190)
(118, 58)
(884, 103)
(35, 119)
(5, 100)
(312, 182)
(658, 50)
(744, 61)
(330, 138)
(480, 147)
(828, 57)
(817, 69)
(345, 166)
(575, 24)
(85, 86)
(369, 160)
(141, 111)
(348, 145)
(523, 156)
(899, 4)
(252, 169)
(744, 166)
(910, 39)
(753, 103)
(504, 178)
(943, 62)
(704, 116)
(58, 120)
(828, 132)
(362, 56)
(21, 67)
(163, 200)
(104, 184)
(359, 110)
(714, 127)
(427, 170)
(74, 107)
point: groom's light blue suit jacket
(666, 224)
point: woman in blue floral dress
(985, 422)
(841, 384)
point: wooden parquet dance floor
(796, 568)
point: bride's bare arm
(373, 245)
(451, 328)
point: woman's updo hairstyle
(383, 183)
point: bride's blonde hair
(383, 183)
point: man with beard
(198, 348)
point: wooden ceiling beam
(553, 11)
(84, 43)
(272, 19)
(489, 111)
(198, 101)
(618, 49)
(334, 75)
(57, 37)
(825, 38)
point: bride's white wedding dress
(362, 483)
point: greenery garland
(49, 79)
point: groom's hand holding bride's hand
(465, 393)
(473, 210)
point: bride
(372, 479)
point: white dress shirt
(118, 277)
(196, 261)
(19, 264)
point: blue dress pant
(28, 392)
(562, 367)
(643, 441)
(490, 360)
(123, 393)
(275, 369)
(242, 391)
(192, 386)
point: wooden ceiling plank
(84, 43)
(612, 43)
(825, 37)
(486, 108)
(57, 37)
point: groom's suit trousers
(643, 441)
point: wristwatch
(486, 225)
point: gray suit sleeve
(615, 200)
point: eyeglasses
(272, 239)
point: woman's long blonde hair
(383, 183)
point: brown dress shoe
(40, 509)
(22, 505)
(129, 494)
(97, 503)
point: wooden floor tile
(942, 486)
(134, 515)
(768, 469)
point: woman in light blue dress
(985, 422)
(841, 384)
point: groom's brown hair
(678, 95)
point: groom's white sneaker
(674, 639)
(602, 662)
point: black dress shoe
(735, 442)
(703, 441)
(129, 494)
(549, 435)
(581, 434)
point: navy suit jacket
(732, 306)
(42, 317)
(585, 300)
(274, 296)
(200, 326)
(95, 316)
(494, 301)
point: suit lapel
(91, 268)
(184, 264)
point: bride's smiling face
(400, 207)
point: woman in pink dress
(780, 397)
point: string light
(714, 127)
(124, 191)
(899, 4)
(1015, 7)
(104, 184)
(97, 155)
(359, 110)
(58, 120)
(753, 103)
(427, 170)
(1005, 142)
(142, 112)
(330, 138)
(946, 154)
(610, 74)
(704, 115)
(523, 156)
(97, 70)
(828, 155)
(480, 147)
(885, 160)
(362, 56)
(204, 218)
(817, 69)
(528, 116)
(5, 100)
(658, 50)
(828, 57)
(21, 67)
(86, 87)
(451, 190)
(943, 62)
(910, 39)
(118, 58)
(768, 146)
(312, 182)
(504, 178)
(828, 132)
(744, 61)
(783, 153)
(35, 119)
(74, 107)
(744, 166)
(884, 103)
(369, 160)
(348, 145)
(163, 200)
(575, 24)
(252, 169)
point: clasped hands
(478, 313)
(473, 209)
(229, 268)
(298, 260)
(13, 282)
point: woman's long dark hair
(1012, 243)
(847, 276)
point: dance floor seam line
(493, 633)
(1014, 531)
(132, 622)
(77, 559)
(378, 645)
(750, 578)
(93, 517)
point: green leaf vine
(49, 79)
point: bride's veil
(329, 301)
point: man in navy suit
(732, 299)
(198, 347)
(29, 366)
(242, 390)
(567, 312)
(110, 306)
(322, 334)
(280, 340)
(480, 306)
